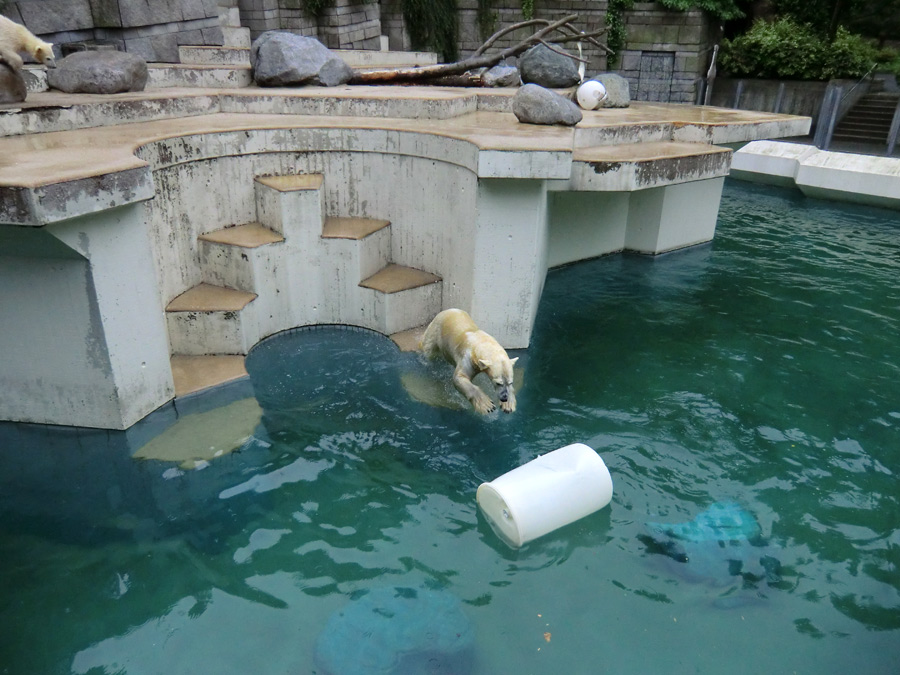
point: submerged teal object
(723, 521)
(395, 631)
(722, 546)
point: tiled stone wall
(152, 30)
(351, 24)
(665, 56)
(346, 24)
(666, 53)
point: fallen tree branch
(567, 33)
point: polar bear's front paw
(509, 405)
(483, 404)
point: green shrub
(784, 49)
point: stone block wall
(665, 56)
(591, 13)
(346, 24)
(152, 30)
(350, 24)
(666, 53)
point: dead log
(550, 34)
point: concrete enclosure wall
(430, 203)
(793, 97)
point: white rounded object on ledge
(545, 494)
(590, 94)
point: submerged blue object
(723, 521)
(721, 543)
(396, 631)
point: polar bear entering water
(454, 335)
(16, 39)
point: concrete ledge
(861, 179)
(626, 168)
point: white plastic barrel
(590, 94)
(546, 493)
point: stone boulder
(12, 85)
(98, 72)
(618, 94)
(541, 65)
(501, 75)
(282, 59)
(536, 105)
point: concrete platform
(105, 201)
(839, 176)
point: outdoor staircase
(295, 266)
(869, 121)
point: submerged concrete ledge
(126, 203)
(860, 179)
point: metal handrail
(860, 81)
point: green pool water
(760, 371)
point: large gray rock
(541, 65)
(501, 75)
(618, 94)
(12, 86)
(533, 104)
(282, 59)
(103, 72)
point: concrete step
(240, 257)
(209, 319)
(236, 37)
(180, 75)
(292, 205)
(859, 138)
(214, 56)
(195, 373)
(357, 247)
(408, 340)
(864, 127)
(352, 228)
(885, 115)
(371, 59)
(401, 298)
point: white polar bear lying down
(453, 335)
(15, 39)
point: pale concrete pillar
(84, 339)
(586, 225)
(510, 257)
(672, 217)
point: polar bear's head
(43, 52)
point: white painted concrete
(672, 217)
(486, 205)
(862, 179)
(586, 225)
(87, 345)
(509, 255)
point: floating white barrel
(546, 493)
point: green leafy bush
(784, 49)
